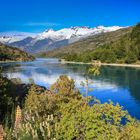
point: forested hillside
(13, 54)
(88, 44)
(122, 46)
(124, 50)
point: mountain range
(50, 39)
(90, 43)
(121, 46)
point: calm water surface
(119, 84)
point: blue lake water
(119, 84)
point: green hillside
(88, 44)
(122, 46)
(13, 54)
(124, 50)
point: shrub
(101, 121)
(61, 113)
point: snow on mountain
(10, 37)
(68, 33)
(51, 39)
(50, 34)
(6, 39)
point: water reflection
(116, 83)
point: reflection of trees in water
(78, 68)
(123, 77)
(9, 67)
(120, 76)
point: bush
(6, 102)
(41, 101)
(101, 121)
(62, 113)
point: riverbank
(101, 64)
(8, 61)
(13, 61)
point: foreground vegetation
(13, 54)
(60, 113)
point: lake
(119, 84)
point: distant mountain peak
(51, 38)
(78, 27)
(49, 30)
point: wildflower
(18, 117)
(1, 132)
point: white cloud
(45, 80)
(50, 24)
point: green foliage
(95, 70)
(108, 56)
(120, 51)
(130, 58)
(61, 113)
(71, 57)
(6, 102)
(41, 101)
(65, 89)
(135, 35)
(101, 121)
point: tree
(93, 70)
(135, 35)
(6, 102)
(108, 56)
(65, 89)
(130, 58)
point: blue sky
(38, 15)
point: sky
(38, 15)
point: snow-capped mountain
(50, 39)
(10, 37)
(68, 33)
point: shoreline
(89, 63)
(103, 64)
(10, 61)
